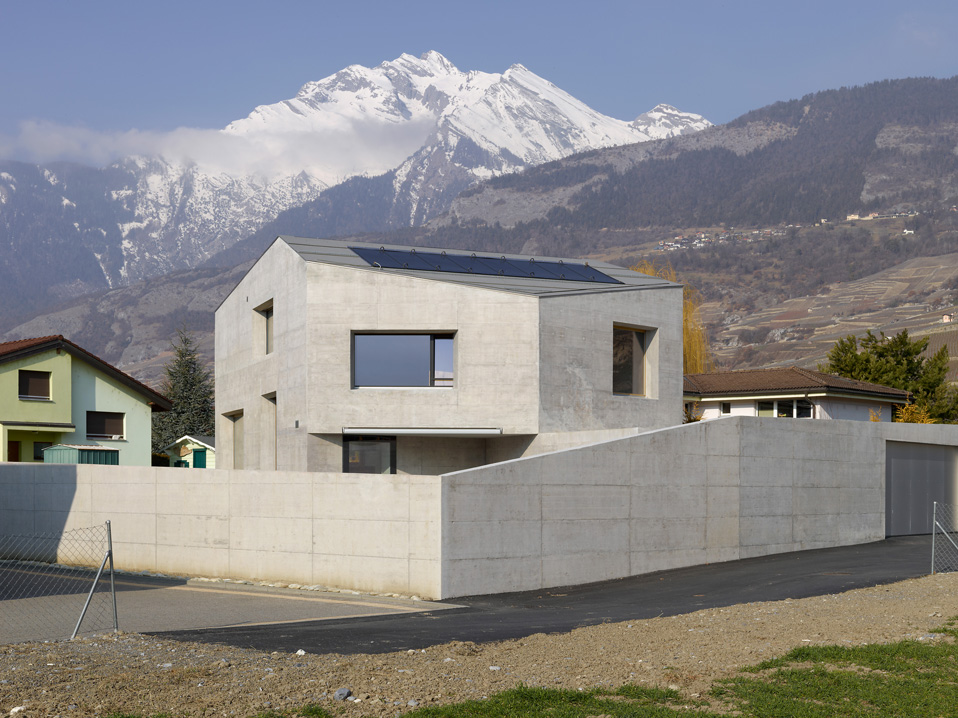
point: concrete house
(53, 392)
(336, 356)
(790, 392)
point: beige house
(335, 355)
(196, 452)
(790, 392)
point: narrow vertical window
(238, 450)
(263, 327)
(628, 361)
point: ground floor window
(786, 408)
(369, 454)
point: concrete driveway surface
(505, 616)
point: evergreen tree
(898, 362)
(189, 386)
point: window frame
(104, 436)
(435, 382)
(640, 339)
(27, 374)
(350, 438)
(265, 328)
(793, 407)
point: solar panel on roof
(483, 265)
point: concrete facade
(532, 363)
(705, 492)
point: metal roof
(608, 277)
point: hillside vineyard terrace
(475, 264)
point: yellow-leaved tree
(696, 351)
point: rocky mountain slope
(425, 128)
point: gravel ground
(132, 673)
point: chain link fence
(944, 538)
(56, 586)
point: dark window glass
(628, 361)
(398, 360)
(369, 454)
(786, 409)
(38, 447)
(803, 409)
(104, 425)
(726, 407)
(268, 315)
(34, 384)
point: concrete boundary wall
(701, 493)
(713, 491)
(369, 533)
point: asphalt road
(505, 616)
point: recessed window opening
(369, 454)
(726, 407)
(34, 385)
(265, 326)
(104, 425)
(628, 361)
(38, 447)
(403, 360)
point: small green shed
(81, 454)
(198, 452)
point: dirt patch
(131, 673)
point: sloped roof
(208, 441)
(341, 252)
(21, 348)
(786, 379)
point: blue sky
(116, 66)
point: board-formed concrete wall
(369, 533)
(701, 493)
(713, 491)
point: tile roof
(26, 347)
(791, 379)
(340, 252)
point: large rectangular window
(34, 385)
(369, 454)
(403, 360)
(786, 408)
(104, 425)
(628, 361)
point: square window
(803, 409)
(766, 408)
(403, 360)
(104, 425)
(34, 385)
(726, 407)
(628, 361)
(369, 454)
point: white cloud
(329, 154)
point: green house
(54, 392)
(198, 452)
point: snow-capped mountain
(434, 128)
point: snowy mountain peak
(667, 121)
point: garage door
(916, 475)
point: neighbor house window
(369, 454)
(104, 425)
(34, 385)
(786, 408)
(401, 360)
(726, 407)
(264, 326)
(38, 447)
(628, 361)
